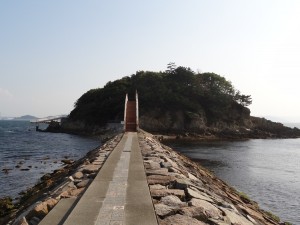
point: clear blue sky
(51, 52)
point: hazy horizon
(52, 53)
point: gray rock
(173, 164)
(191, 176)
(182, 184)
(165, 164)
(219, 222)
(156, 187)
(161, 171)
(165, 192)
(90, 169)
(72, 185)
(181, 220)
(251, 219)
(197, 183)
(96, 163)
(78, 175)
(252, 213)
(42, 208)
(195, 212)
(210, 210)
(236, 218)
(154, 159)
(151, 165)
(173, 201)
(196, 194)
(163, 210)
(159, 179)
(82, 183)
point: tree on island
(176, 89)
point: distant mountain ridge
(26, 117)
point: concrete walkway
(119, 195)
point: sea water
(268, 171)
(26, 155)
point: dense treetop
(177, 88)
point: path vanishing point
(138, 181)
(119, 194)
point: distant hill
(175, 100)
(26, 117)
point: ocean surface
(26, 155)
(268, 171)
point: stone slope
(182, 191)
(185, 193)
(70, 185)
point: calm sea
(268, 171)
(28, 154)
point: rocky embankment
(196, 127)
(182, 191)
(185, 193)
(67, 182)
(237, 125)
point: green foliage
(272, 216)
(178, 88)
(6, 205)
(244, 100)
(244, 197)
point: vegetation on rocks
(178, 89)
(176, 92)
(6, 206)
(274, 217)
(177, 100)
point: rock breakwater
(68, 182)
(185, 193)
(182, 191)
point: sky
(52, 52)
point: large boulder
(164, 192)
(83, 183)
(160, 179)
(173, 201)
(196, 194)
(42, 209)
(181, 220)
(210, 210)
(78, 175)
(163, 210)
(236, 218)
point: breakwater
(266, 169)
(182, 191)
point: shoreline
(72, 180)
(54, 184)
(209, 187)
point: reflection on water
(267, 170)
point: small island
(177, 103)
